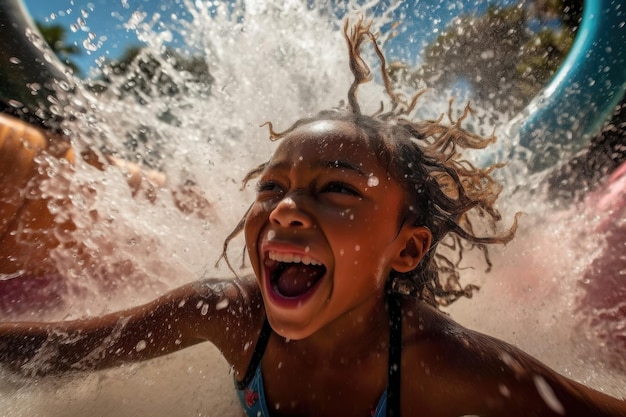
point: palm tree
(55, 36)
(507, 54)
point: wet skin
(324, 195)
(327, 354)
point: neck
(354, 337)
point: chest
(319, 388)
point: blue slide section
(584, 92)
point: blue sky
(106, 18)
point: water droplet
(504, 390)
(16, 104)
(489, 54)
(357, 248)
(222, 304)
(204, 310)
(141, 345)
(372, 181)
(89, 46)
(547, 394)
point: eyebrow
(343, 165)
(334, 164)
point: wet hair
(444, 192)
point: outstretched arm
(225, 312)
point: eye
(268, 186)
(338, 187)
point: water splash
(208, 133)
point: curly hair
(444, 192)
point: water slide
(584, 91)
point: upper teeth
(293, 258)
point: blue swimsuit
(252, 396)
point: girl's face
(324, 231)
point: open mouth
(293, 275)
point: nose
(288, 213)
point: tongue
(297, 279)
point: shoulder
(227, 312)
(458, 371)
(240, 290)
(232, 299)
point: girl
(341, 317)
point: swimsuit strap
(257, 355)
(395, 356)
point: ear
(413, 243)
